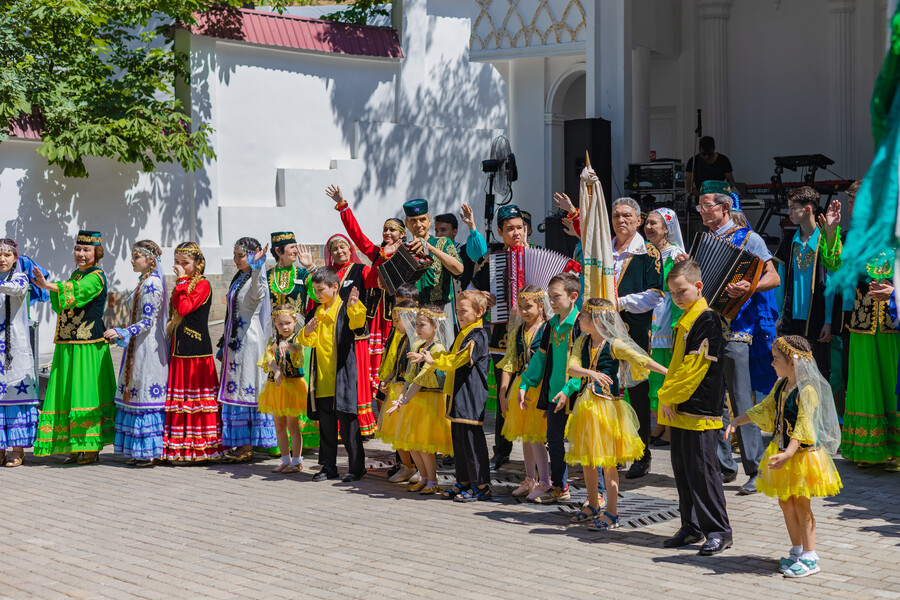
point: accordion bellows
(721, 263)
(403, 267)
(514, 268)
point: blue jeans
(556, 447)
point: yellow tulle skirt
(285, 400)
(423, 425)
(529, 425)
(387, 423)
(809, 473)
(602, 432)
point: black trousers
(328, 437)
(639, 396)
(470, 454)
(502, 446)
(699, 482)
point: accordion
(721, 263)
(512, 269)
(403, 267)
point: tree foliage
(359, 12)
(99, 75)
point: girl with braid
(248, 327)
(193, 431)
(18, 382)
(144, 373)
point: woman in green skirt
(79, 413)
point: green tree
(99, 75)
(359, 12)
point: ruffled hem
(808, 474)
(18, 425)
(387, 423)
(423, 425)
(246, 426)
(529, 425)
(139, 433)
(602, 432)
(87, 430)
(285, 400)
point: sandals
(16, 459)
(583, 517)
(453, 492)
(601, 525)
(288, 469)
(476, 495)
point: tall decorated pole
(596, 237)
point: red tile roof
(26, 127)
(287, 31)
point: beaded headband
(145, 251)
(243, 249)
(7, 248)
(282, 237)
(284, 312)
(785, 348)
(195, 252)
(431, 314)
(592, 308)
(532, 295)
(392, 224)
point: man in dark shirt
(708, 164)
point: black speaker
(594, 136)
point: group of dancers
(576, 378)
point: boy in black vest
(332, 394)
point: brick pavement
(239, 531)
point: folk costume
(289, 286)
(530, 424)
(193, 430)
(248, 327)
(639, 287)
(354, 274)
(436, 285)
(378, 302)
(465, 385)
(695, 389)
(289, 398)
(666, 314)
(333, 397)
(423, 424)
(392, 373)
(144, 372)
(807, 305)
(871, 419)
(79, 409)
(804, 412)
(19, 394)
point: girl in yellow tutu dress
(284, 395)
(391, 379)
(603, 429)
(797, 465)
(523, 421)
(423, 428)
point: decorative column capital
(551, 118)
(714, 9)
(841, 6)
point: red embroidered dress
(193, 429)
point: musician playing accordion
(715, 207)
(513, 230)
(436, 285)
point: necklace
(282, 282)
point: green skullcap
(510, 211)
(89, 238)
(415, 207)
(714, 186)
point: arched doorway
(566, 100)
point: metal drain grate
(636, 510)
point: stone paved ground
(239, 531)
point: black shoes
(639, 468)
(729, 476)
(682, 538)
(325, 474)
(715, 546)
(748, 488)
(498, 461)
(350, 477)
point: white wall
(385, 131)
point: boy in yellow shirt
(691, 401)
(332, 393)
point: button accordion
(403, 267)
(721, 263)
(512, 269)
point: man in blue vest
(715, 205)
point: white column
(554, 157)
(640, 104)
(608, 74)
(840, 41)
(713, 49)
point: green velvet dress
(79, 413)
